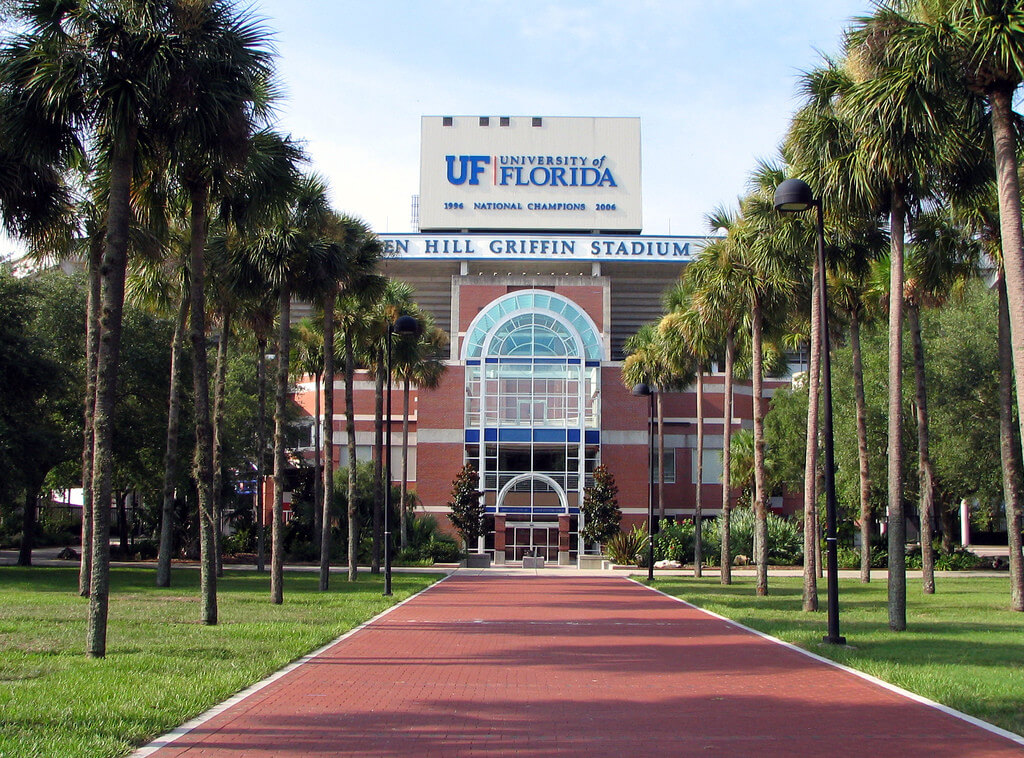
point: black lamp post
(647, 390)
(403, 326)
(795, 196)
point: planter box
(591, 561)
(478, 560)
(533, 562)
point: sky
(713, 82)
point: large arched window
(532, 323)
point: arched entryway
(532, 518)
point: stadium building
(530, 255)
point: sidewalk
(489, 664)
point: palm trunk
(122, 522)
(28, 522)
(698, 502)
(378, 464)
(862, 449)
(730, 358)
(926, 507)
(1012, 239)
(760, 485)
(280, 409)
(896, 523)
(810, 594)
(819, 487)
(261, 445)
(661, 460)
(328, 423)
(318, 503)
(201, 401)
(350, 436)
(163, 565)
(218, 436)
(1010, 454)
(112, 276)
(404, 492)
(92, 335)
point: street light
(647, 390)
(403, 326)
(795, 196)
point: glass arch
(533, 323)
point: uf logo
(469, 165)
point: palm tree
(975, 48)
(419, 362)
(691, 335)
(899, 121)
(289, 254)
(717, 303)
(650, 359)
(976, 206)
(164, 286)
(307, 359)
(351, 310)
(115, 98)
(396, 300)
(940, 262)
(765, 260)
(356, 251)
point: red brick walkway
(551, 666)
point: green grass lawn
(962, 647)
(162, 666)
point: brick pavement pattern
(578, 666)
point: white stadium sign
(556, 174)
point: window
(537, 121)
(447, 121)
(669, 464)
(712, 473)
(485, 121)
(504, 121)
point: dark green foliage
(674, 541)
(625, 547)
(601, 514)
(467, 505)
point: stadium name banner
(565, 174)
(534, 246)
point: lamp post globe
(793, 196)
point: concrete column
(499, 540)
(563, 540)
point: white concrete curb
(202, 718)
(1015, 738)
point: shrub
(785, 543)
(443, 550)
(674, 541)
(601, 514)
(625, 548)
(958, 560)
(241, 541)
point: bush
(241, 541)
(849, 557)
(443, 550)
(785, 542)
(625, 548)
(958, 560)
(674, 541)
